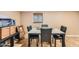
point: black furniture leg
(55, 43)
(12, 41)
(50, 44)
(63, 40)
(28, 40)
(18, 37)
(37, 42)
(41, 43)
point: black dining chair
(46, 35)
(29, 28)
(59, 36)
(33, 36)
(44, 25)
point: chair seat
(34, 36)
(57, 36)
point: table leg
(37, 42)
(28, 40)
(50, 43)
(63, 40)
(41, 43)
(55, 43)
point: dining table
(55, 31)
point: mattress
(6, 22)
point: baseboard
(72, 36)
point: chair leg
(55, 43)
(37, 42)
(50, 43)
(31, 41)
(41, 43)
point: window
(37, 17)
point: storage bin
(4, 32)
(12, 30)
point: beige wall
(12, 14)
(69, 19)
(26, 19)
(54, 20)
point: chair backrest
(46, 34)
(29, 28)
(44, 25)
(63, 28)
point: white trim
(72, 35)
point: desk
(38, 32)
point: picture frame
(38, 17)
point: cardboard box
(4, 32)
(7, 31)
(12, 30)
